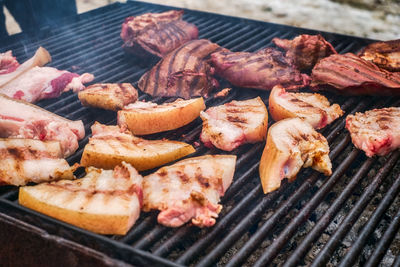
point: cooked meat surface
(233, 124)
(305, 50)
(156, 33)
(29, 160)
(292, 144)
(352, 75)
(263, 69)
(44, 82)
(385, 55)
(110, 145)
(19, 119)
(104, 201)
(189, 190)
(376, 131)
(184, 72)
(313, 108)
(8, 63)
(111, 96)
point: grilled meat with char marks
(305, 50)
(184, 72)
(111, 96)
(386, 55)
(233, 124)
(262, 70)
(292, 144)
(351, 75)
(313, 108)
(189, 190)
(156, 33)
(29, 160)
(19, 119)
(376, 131)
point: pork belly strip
(29, 160)
(184, 72)
(376, 131)
(385, 55)
(8, 63)
(20, 119)
(352, 75)
(262, 70)
(44, 82)
(305, 50)
(156, 33)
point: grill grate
(352, 217)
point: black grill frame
(91, 43)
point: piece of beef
(384, 54)
(352, 75)
(184, 72)
(8, 63)
(156, 33)
(305, 50)
(263, 69)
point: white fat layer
(149, 107)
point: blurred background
(376, 19)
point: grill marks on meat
(19, 119)
(263, 69)
(44, 82)
(8, 63)
(386, 55)
(376, 131)
(233, 124)
(156, 33)
(292, 144)
(351, 75)
(313, 108)
(104, 201)
(28, 160)
(305, 50)
(185, 72)
(111, 96)
(189, 190)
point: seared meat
(110, 145)
(8, 63)
(40, 58)
(313, 108)
(263, 69)
(184, 72)
(112, 96)
(189, 190)
(156, 33)
(351, 75)
(291, 145)
(376, 131)
(384, 54)
(233, 124)
(29, 160)
(44, 82)
(305, 50)
(20, 119)
(104, 201)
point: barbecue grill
(349, 218)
